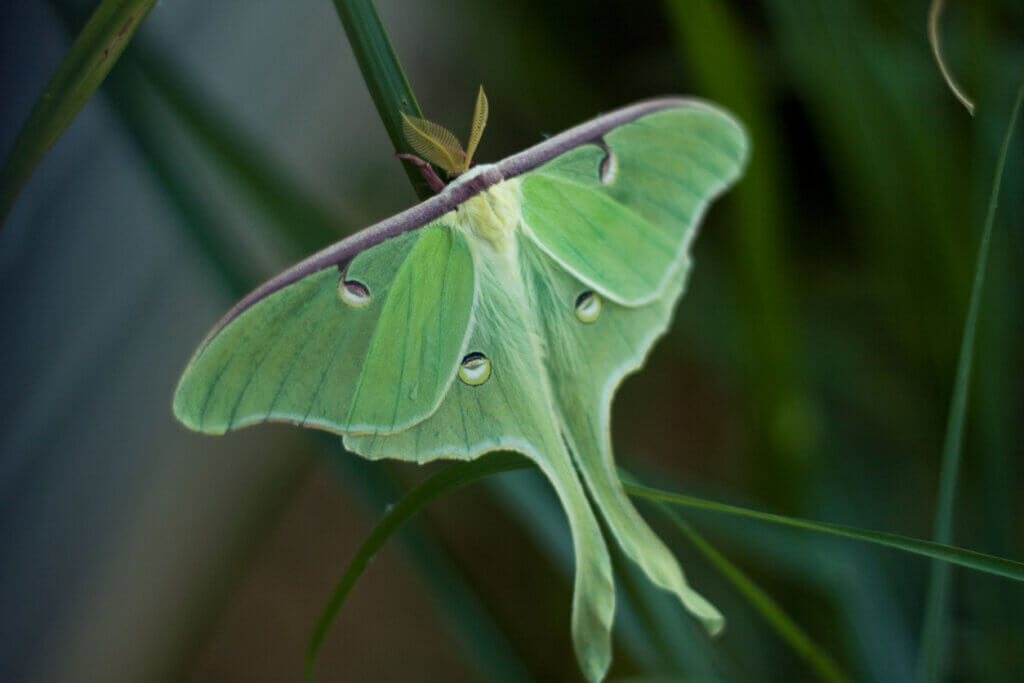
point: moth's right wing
(316, 353)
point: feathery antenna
(479, 123)
(439, 146)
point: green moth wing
(324, 351)
(634, 198)
(500, 314)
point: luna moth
(500, 314)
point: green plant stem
(930, 664)
(385, 79)
(92, 54)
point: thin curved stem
(448, 479)
(934, 14)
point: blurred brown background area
(808, 371)
(387, 630)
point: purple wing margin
(423, 213)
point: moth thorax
(493, 215)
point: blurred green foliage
(810, 367)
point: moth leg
(426, 170)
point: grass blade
(448, 479)
(933, 633)
(817, 659)
(937, 551)
(87, 63)
(385, 79)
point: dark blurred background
(808, 371)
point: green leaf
(938, 551)
(933, 636)
(448, 479)
(87, 63)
